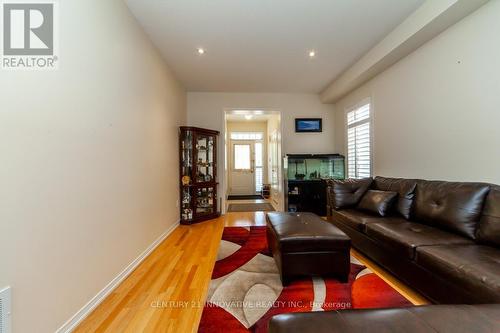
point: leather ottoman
(303, 244)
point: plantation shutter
(359, 163)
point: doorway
(249, 166)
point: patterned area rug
(246, 290)
(250, 207)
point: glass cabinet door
(187, 157)
(205, 201)
(186, 205)
(204, 158)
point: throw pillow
(347, 193)
(378, 202)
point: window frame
(246, 133)
(367, 100)
(261, 167)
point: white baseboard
(74, 321)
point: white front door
(242, 173)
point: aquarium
(315, 167)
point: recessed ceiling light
(312, 54)
(201, 51)
(243, 112)
(248, 116)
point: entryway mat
(244, 197)
(250, 207)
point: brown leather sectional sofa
(441, 238)
(483, 318)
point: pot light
(242, 112)
(248, 116)
(312, 54)
(201, 50)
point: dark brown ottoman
(303, 244)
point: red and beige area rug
(245, 290)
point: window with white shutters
(359, 158)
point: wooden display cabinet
(198, 174)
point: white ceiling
(262, 45)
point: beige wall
(436, 111)
(88, 163)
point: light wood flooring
(167, 291)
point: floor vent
(5, 305)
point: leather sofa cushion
(484, 318)
(405, 237)
(377, 202)
(473, 268)
(489, 225)
(306, 232)
(355, 219)
(452, 206)
(405, 189)
(347, 193)
(358, 220)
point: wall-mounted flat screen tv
(308, 125)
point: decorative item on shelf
(200, 177)
(197, 181)
(186, 180)
(187, 214)
(186, 199)
(204, 164)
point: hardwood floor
(402, 288)
(167, 291)
(245, 219)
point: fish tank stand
(305, 183)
